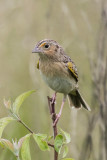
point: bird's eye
(46, 46)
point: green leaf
(21, 140)
(39, 138)
(7, 144)
(67, 159)
(4, 122)
(19, 100)
(67, 136)
(42, 136)
(25, 149)
(58, 142)
(50, 137)
(65, 152)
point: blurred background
(79, 26)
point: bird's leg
(54, 97)
(60, 112)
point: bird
(59, 72)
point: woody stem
(51, 104)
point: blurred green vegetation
(74, 24)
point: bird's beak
(36, 50)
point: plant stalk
(19, 120)
(51, 104)
(25, 126)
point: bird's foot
(53, 98)
(56, 120)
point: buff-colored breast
(56, 75)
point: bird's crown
(46, 41)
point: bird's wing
(37, 65)
(71, 67)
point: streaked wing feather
(71, 66)
(73, 69)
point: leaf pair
(24, 141)
(14, 109)
(60, 140)
(15, 147)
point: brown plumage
(59, 71)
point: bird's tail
(77, 100)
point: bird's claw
(56, 120)
(53, 99)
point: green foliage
(23, 144)
(65, 151)
(67, 136)
(7, 144)
(15, 146)
(49, 138)
(3, 123)
(58, 143)
(39, 138)
(19, 100)
(25, 150)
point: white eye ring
(46, 46)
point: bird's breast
(57, 77)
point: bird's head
(48, 49)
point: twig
(19, 120)
(51, 105)
(51, 145)
(25, 126)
